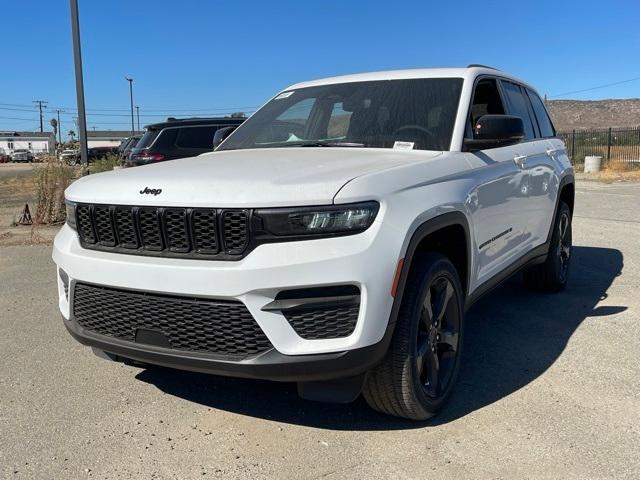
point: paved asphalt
(550, 388)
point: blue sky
(207, 57)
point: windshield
(420, 113)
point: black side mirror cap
(493, 131)
(221, 134)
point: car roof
(177, 122)
(467, 73)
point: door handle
(552, 151)
(520, 160)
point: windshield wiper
(320, 143)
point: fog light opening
(65, 282)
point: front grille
(223, 328)
(174, 232)
(323, 323)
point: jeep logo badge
(151, 191)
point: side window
(290, 124)
(518, 105)
(544, 122)
(196, 137)
(486, 101)
(166, 139)
(338, 126)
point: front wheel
(418, 372)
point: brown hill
(587, 114)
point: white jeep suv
(335, 239)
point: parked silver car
(22, 155)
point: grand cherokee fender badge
(151, 191)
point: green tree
(54, 125)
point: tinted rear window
(196, 137)
(544, 122)
(147, 139)
(517, 104)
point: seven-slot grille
(223, 328)
(177, 232)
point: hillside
(585, 114)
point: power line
(154, 109)
(595, 88)
(19, 118)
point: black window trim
(498, 77)
(531, 92)
(529, 109)
(174, 127)
(478, 79)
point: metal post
(77, 58)
(609, 145)
(130, 80)
(573, 144)
(138, 115)
(59, 127)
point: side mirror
(221, 134)
(492, 131)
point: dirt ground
(17, 189)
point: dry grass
(16, 191)
(51, 179)
(105, 164)
(614, 172)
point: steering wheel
(414, 127)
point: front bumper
(365, 260)
(270, 365)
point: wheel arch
(566, 193)
(429, 236)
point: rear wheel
(552, 275)
(419, 370)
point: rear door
(536, 163)
(544, 178)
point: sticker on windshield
(403, 145)
(285, 95)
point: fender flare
(568, 179)
(455, 218)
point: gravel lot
(549, 388)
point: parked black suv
(127, 145)
(178, 138)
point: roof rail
(471, 65)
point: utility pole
(77, 58)
(58, 111)
(40, 104)
(138, 115)
(130, 80)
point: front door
(498, 202)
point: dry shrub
(105, 164)
(613, 166)
(51, 179)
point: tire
(402, 384)
(552, 275)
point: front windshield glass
(376, 114)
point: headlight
(71, 215)
(315, 221)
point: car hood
(241, 178)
